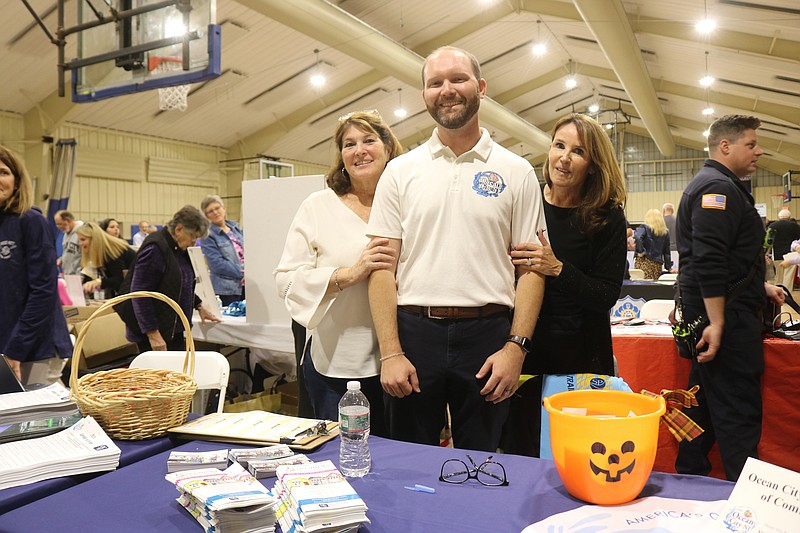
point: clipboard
(258, 428)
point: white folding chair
(670, 276)
(656, 309)
(636, 273)
(211, 369)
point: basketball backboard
(127, 46)
(791, 182)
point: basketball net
(170, 98)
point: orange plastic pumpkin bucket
(606, 455)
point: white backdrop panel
(268, 208)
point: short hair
(21, 199)
(784, 214)
(476, 65)
(368, 122)
(211, 199)
(63, 214)
(104, 248)
(604, 186)
(668, 207)
(190, 218)
(730, 127)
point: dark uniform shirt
(720, 235)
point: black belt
(456, 313)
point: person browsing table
(105, 257)
(223, 249)
(451, 208)
(162, 265)
(322, 275)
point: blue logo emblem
(597, 383)
(489, 184)
(627, 307)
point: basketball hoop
(777, 201)
(170, 98)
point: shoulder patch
(714, 201)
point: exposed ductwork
(329, 24)
(609, 24)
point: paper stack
(264, 468)
(48, 402)
(316, 498)
(245, 455)
(180, 461)
(229, 501)
(80, 449)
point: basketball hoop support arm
(115, 17)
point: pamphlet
(766, 499)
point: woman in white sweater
(326, 263)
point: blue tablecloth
(138, 499)
(130, 452)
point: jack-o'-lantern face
(613, 465)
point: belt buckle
(428, 314)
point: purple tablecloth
(137, 498)
(130, 452)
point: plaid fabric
(681, 426)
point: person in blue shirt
(224, 251)
(33, 330)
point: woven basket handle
(77, 352)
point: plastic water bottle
(354, 458)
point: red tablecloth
(652, 363)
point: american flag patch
(714, 201)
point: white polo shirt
(457, 217)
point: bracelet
(391, 355)
(336, 279)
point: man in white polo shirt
(452, 208)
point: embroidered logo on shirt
(714, 201)
(489, 184)
(5, 249)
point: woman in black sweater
(104, 260)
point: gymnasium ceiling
(640, 60)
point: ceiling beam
(329, 24)
(608, 22)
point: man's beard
(455, 121)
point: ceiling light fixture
(317, 78)
(400, 112)
(706, 25)
(708, 110)
(707, 80)
(571, 81)
(594, 108)
(540, 48)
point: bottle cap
(353, 385)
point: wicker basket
(135, 403)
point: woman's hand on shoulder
(532, 257)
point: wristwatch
(522, 342)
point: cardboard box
(78, 313)
(105, 341)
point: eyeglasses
(489, 473)
(362, 112)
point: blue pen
(422, 488)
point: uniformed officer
(720, 238)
